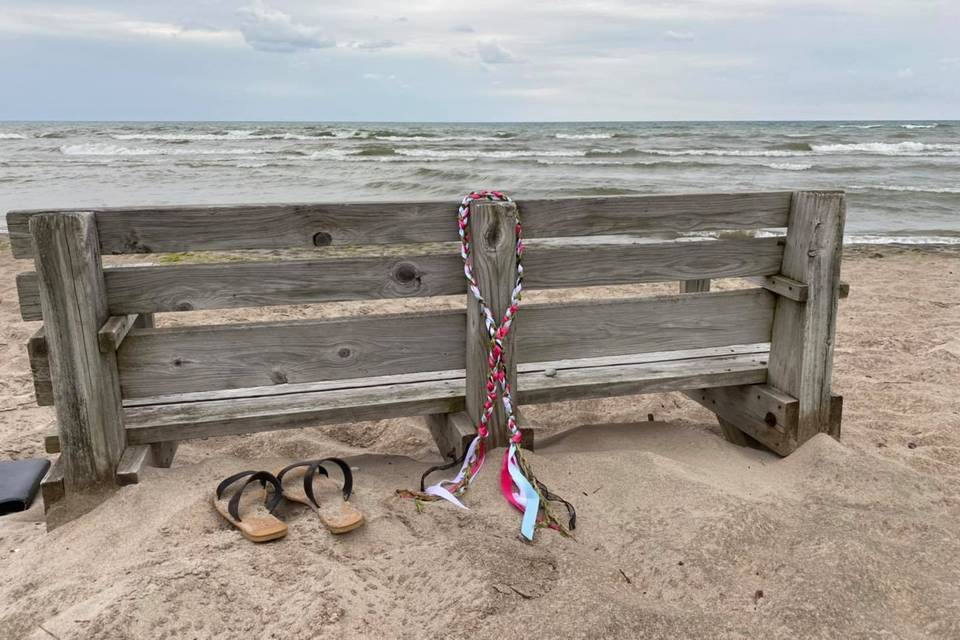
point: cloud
(462, 28)
(372, 44)
(492, 53)
(905, 74)
(270, 30)
(682, 36)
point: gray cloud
(492, 53)
(682, 36)
(267, 29)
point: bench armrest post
(86, 388)
(801, 349)
(494, 239)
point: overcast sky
(441, 60)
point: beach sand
(681, 535)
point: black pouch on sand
(19, 481)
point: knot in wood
(322, 239)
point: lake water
(903, 178)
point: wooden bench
(126, 392)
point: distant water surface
(903, 178)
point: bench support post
(494, 240)
(86, 388)
(801, 347)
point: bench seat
(236, 411)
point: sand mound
(681, 535)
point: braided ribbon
(517, 482)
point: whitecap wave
(471, 153)
(583, 136)
(12, 136)
(903, 188)
(789, 166)
(899, 239)
(920, 126)
(860, 126)
(103, 149)
(890, 148)
(200, 137)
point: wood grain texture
(282, 226)
(39, 357)
(251, 284)
(801, 352)
(155, 362)
(695, 286)
(197, 419)
(453, 433)
(28, 296)
(114, 330)
(782, 286)
(760, 411)
(85, 383)
(494, 254)
(205, 358)
(161, 423)
(52, 486)
(658, 323)
(132, 463)
(162, 453)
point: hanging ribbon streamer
(517, 482)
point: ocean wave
(471, 153)
(789, 166)
(583, 136)
(890, 148)
(904, 188)
(201, 137)
(920, 126)
(102, 149)
(12, 136)
(860, 126)
(899, 239)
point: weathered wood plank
(282, 226)
(781, 285)
(658, 323)
(159, 423)
(131, 464)
(85, 388)
(156, 362)
(162, 361)
(51, 439)
(28, 296)
(249, 415)
(39, 357)
(653, 377)
(696, 286)
(453, 374)
(801, 352)
(52, 486)
(761, 411)
(162, 453)
(114, 330)
(247, 284)
(493, 239)
(453, 433)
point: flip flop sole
(335, 513)
(255, 528)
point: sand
(681, 534)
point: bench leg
(162, 453)
(86, 387)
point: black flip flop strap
(318, 464)
(296, 465)
(440, 467)
(263, 477)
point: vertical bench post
(86, 386)
(801, 349)
(494, 236)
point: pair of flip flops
(305, 482)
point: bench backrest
(159, 361)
